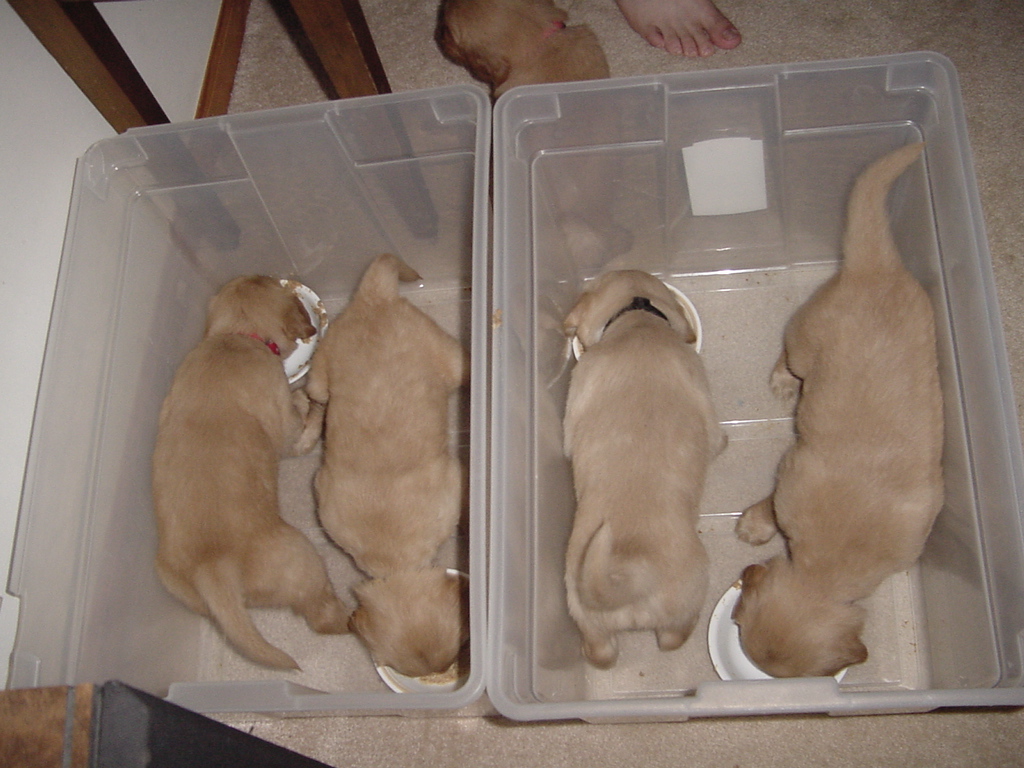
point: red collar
(553, 29)
(270, 344)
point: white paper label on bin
(725, 176)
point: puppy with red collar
(505, 43)
(640, 431)
(229, 418)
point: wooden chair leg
(116, 725)
(77, 36)
(215, 96)
(46, 727)
(79, 39)
(341, 40)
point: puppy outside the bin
(857, 493)
(229, 418)
(640, 431)
(508, 43)
(505, 43)
(390, 489)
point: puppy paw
(300, 402)
(312, 426)
(756, 525)
(330, 619)
(601, 653)
(784, 385)
(671, 638)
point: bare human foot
(688, 27)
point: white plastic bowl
(689, 311)
(297, 363)
(727, 654)
(442, 682)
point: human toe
(656, 39)
(725, 36)
(678, 46)
(704, 45)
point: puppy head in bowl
(414, 622)
(790, 628)
(613, 292)
(260, 306)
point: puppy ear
(297, 324)
(575, 317)
(689, 335)
(358, 622)
(679, 322)
(751, 578)
(226, 310)
(753, 574)
(853, 651)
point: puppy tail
(868, 244)
(220, 586)
(613, 574)
(383, 275)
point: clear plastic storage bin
(160, 218)
(592, 176)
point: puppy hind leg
(316, 600)
(599, 646)
(319, 605)
(671, 638)
(292, 574)
(600, 649)
(679, 607)
(325, 613)
(756, 524)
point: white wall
(45, 125)
(169, 43)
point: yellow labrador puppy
(640, 431)
(857, 494)
(505, 43)
(228, 419)
(390, 489)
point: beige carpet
(985, 40)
